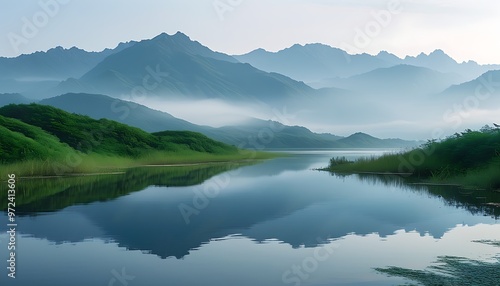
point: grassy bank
(95, 163)
(470, 158)
(43, 140)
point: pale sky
(466, 30)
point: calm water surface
(279, 222)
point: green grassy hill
(471, 158)
(105, 136)
(38, 139)
(20, 140)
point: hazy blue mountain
(438, 60)
(13, 98)
(362, 140)
(38, 75)
(174, 66)
(254, 133)
(269, 134)
(388, 57)
(257, 133)
(101, 106)
(399, 79)
(55, 64)
(35, 89)
(312, 62)
(484, 86)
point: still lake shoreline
(101, 165)
(470, 159)
(280, 206)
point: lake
(278, 222)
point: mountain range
(316, 62)
(55, 64)
(324, 86)
(485, 85)
(253, 133)
(174, 67)
(392, 80)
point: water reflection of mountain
(299, 208)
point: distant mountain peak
(162, 34)
(438, 52)
(388, 57)
(180, 34)
(261, 50)
(383, 53)
(179, 42)
(442, 54)
(295, 46)
(358, 134)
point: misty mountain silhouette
(316, 62)
(312, 62)
(13, 98)
(133, 114)
(178, 67)
(55, 64)
(397, 79)
(340, 87)
(485, 85)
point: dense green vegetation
(42, 140)
(105, 136)
(470, 158)
(21, 140)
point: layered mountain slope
(55, 64)
(399, 79)
(254, 133)
(12, 98)
(315, 62)
(482, 87)
(312, 62)
(175, 67)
